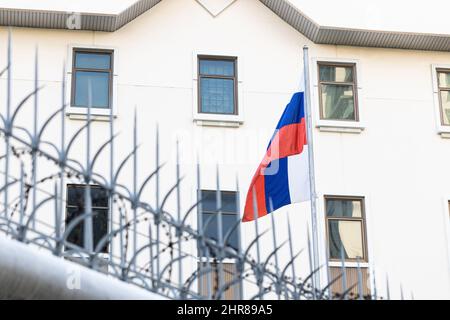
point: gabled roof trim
(283, 8)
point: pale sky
(430, 16)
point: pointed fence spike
(388, 291)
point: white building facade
(216, 76)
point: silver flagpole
(312, 183)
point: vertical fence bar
(240, 262)
(388, 291)
(200, 244)
(62, 154)
(180, 233)
(360, 288)
(311, 263)
(135, 173)
(111, 178)
(158, 211)
(88, 232)
(35, 138)
(291, 252)
(8, 123)
(258, 253)
(344, 273)
(274, 239)
(219, 230)
(21, 199)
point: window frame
(235, 78)
(110, 72)
(201, 257)
(108, 208)
(362, 219)
(439, 90)
(354, 84)
(441, 129)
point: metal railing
(148, 246)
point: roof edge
(282, 8)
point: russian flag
(282, 177)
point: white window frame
(443, 130)
(80, 113)
(341, 126)
(225, 120)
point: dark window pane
(346, 234)
(92, 60)
(344, 208)
(335, 73)
(99, 197)
(99, 82)
(217, 95)
(217, 67)
(76, 235)
(228, 221)
(338, 102)
(100, 225)
(229, 201)
(75, 196)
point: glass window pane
(100, 89)
(76, 235)
(344, 208)
(347, 234)
(229, 201)
(100, 225)
(217, 67)
(444, 79)
(445, 104)
(217, 95)
(99, 197)
(75, 196)
(338, 102)
(92, 60)
(75, 202)
(228, 221)
(336, 74)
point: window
(346, 228)
(75, 208)
(229, 217)
(209, 222)
(92, 67)
(217, 88)
(338, 91)
(444, 95)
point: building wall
(398, 162)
